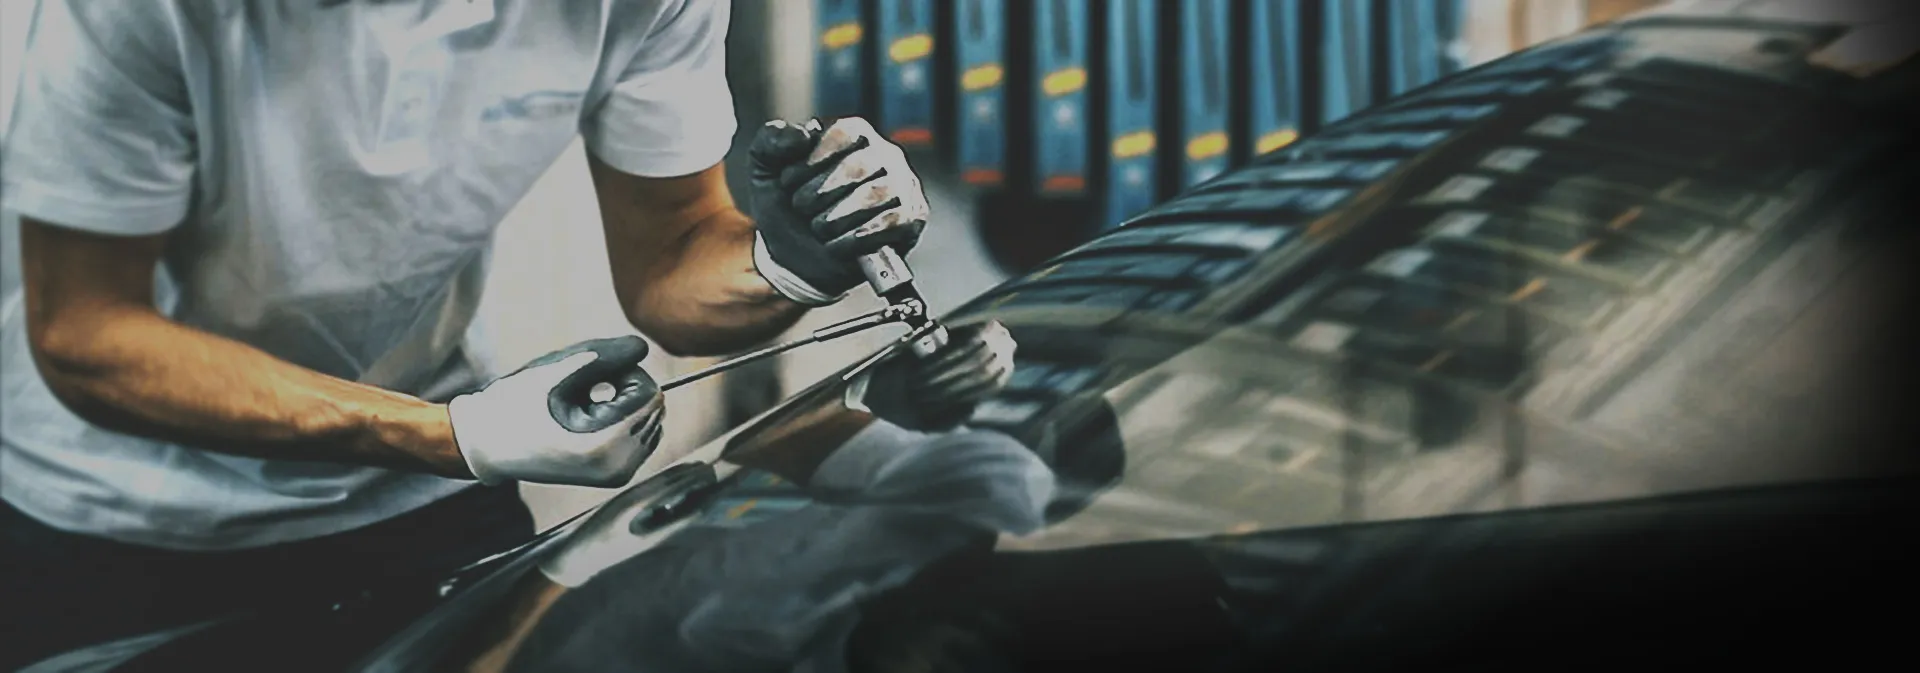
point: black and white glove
(824, 198)
(938, 392)
(543, 424)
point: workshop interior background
(793, 59)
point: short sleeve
(101, 137)
(670, 112)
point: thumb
(546, 377)
(778, 145)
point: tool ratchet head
(927, 336)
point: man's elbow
(669, 338)
(72, 366)
(61, 349)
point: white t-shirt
(332, 172)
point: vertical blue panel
(1276, 72)
(1422, 36)
(1205, 94)
(1450, 16)
(1346, 58)
(1060, 101)
(980, 52)
(1132, 66)
(906, 71)
(840, 73)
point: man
(253, 236)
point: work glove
(824, 198)
(938, 392)
(542, 423)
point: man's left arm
(692, 270)
(681, 254)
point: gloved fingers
(967, 340)
(777, 146)
(964, 384)
(862, 165)
(825, 190)
(650, 440)
(846, 133)
(809, 175)
(896, 226)
(649, 416)
(653, 414)
(801, 179)
(1000, 340)
(863, 180)
(957, 386)
(621, 449)
(649, 422)
(981, 359)
(954, 359)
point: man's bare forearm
(713, 302)
(139, 373)
(681, 254)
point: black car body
(1592, 354)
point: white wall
(15, 15)
(550, 287)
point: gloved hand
(824, 198)
(939, 392)
(540, 424)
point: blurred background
(1035, 124)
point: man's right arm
(101, 162)
(114, 360)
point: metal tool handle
(725, 365)
(892, 313)
(885, 271)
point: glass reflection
(833, 506)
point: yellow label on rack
(981, 77)
(1064, 82)
(1133, 144)
(1275, 140)
(841, 36)
(911, 47)
(1207, 145)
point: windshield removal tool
(890, 278)
(907, 313)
